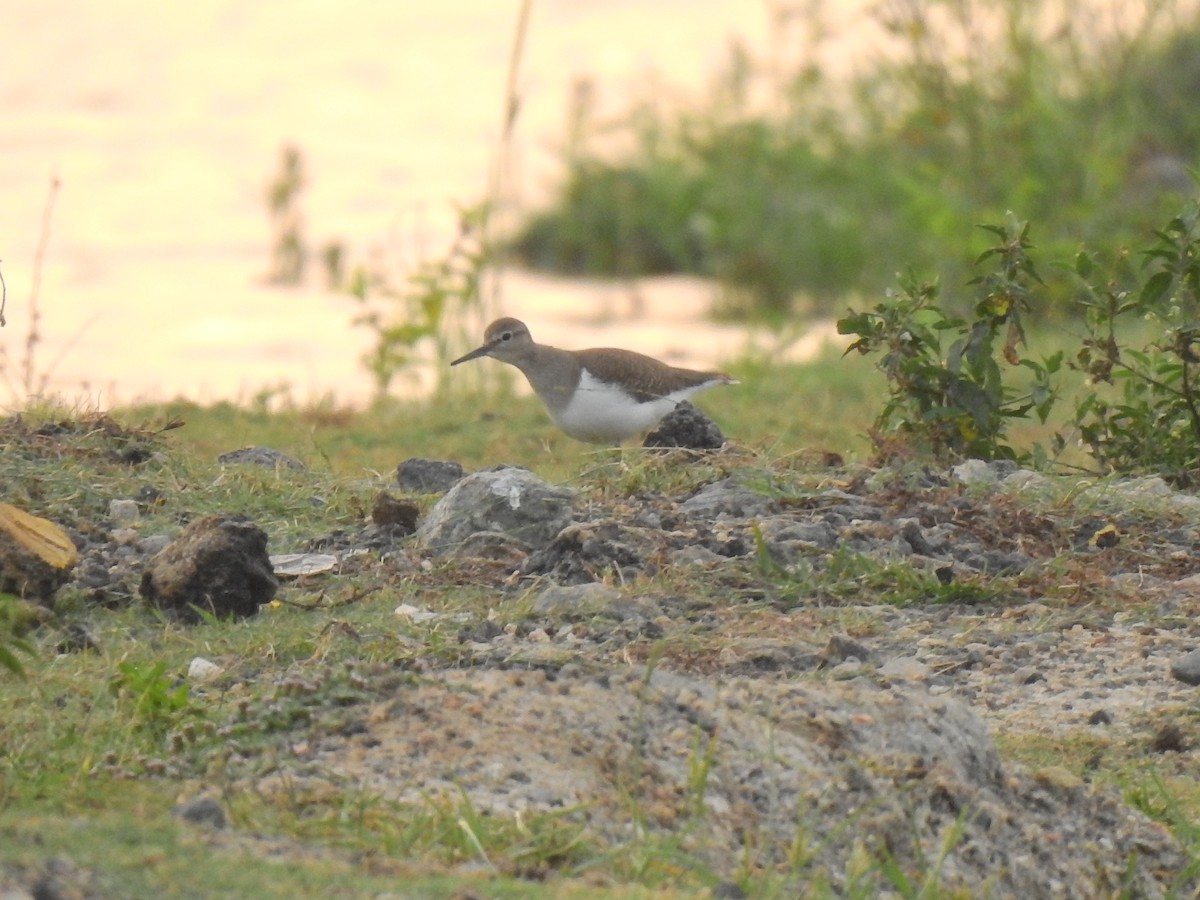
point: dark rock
(910, 530)
(479, 632)
(686, 427)
(509, 500)
(1187, 668)
(766, 655)
(1170, 739)
(218, 565)
(260, 456)
(389, 510)
(1100, 717)
(60, 879)
(491, 545)
(428, 476)
(149, 496)
(76, 638)
(36, 555)
(582, 553)
(202, 811)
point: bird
(603, 395)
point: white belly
(602, 414)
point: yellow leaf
(39, 536)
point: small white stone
(414, 613)
(974, 471)
(908, 668)
(201, 669)
(295, 565)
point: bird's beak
(474, 354)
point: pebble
(428, 476)
(260, 456)
(202, 811)
(1187, 668)
(124, 512)
(201, 669)
(559, 599)
(908, 668)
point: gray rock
(260, 456)
(910, 771)
(124, 512)
(510, 500)
(786, 529)
(974, 472)
(728, 498)
(982, 472)
(696, 556)
(152, 543)
(1187, 668)
(998, 562)
(907, 668)
(428, 476)
(575, 598)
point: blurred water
(164, 123)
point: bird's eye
(507, 336)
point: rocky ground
(809, 670)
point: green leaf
(1156, 288)
(855, 323)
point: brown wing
(653, 379)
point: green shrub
(1152, 420)
(829, 187)
(947, 393)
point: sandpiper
(603, 395)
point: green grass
(778, 409)
(98, 747)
